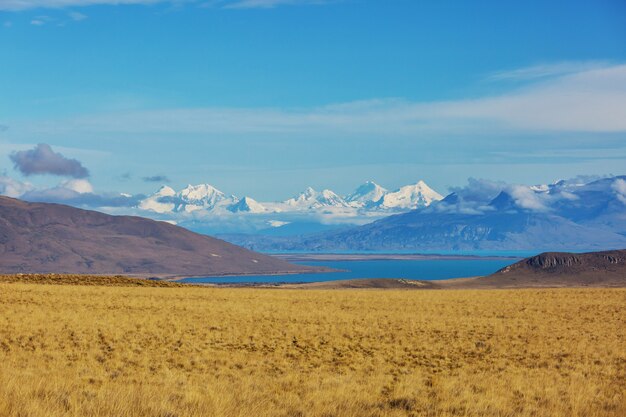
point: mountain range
(368, 197)
(566, 215)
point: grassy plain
(68, 350)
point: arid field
(72, 350)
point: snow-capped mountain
(189, 199)
(486, 216)
(202, 197)
(369, 200)
(410, 197)
(160, 202)
(311, 199)
(366, 195)
(247, 205)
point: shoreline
(332, 257)
(303, 257)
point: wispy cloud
(535, 72)
(592, 100)
(76, 16)
(19, 5)
(269, 4)
(156, 178)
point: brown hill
(54, 238)
(558, 269)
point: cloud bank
(480, 196)
(43, 160)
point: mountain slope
(247, 205)
(451, 231)
(366, 195)
(311, 199)
(560, 269)
(410, 197)
(40, 237)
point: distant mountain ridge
(54, 238)
(368, 197)
(561, 216)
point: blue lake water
(409, 269)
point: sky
(267, 97)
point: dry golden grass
(120, 351)
(97, 280)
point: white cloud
(547, 70)
(526, 198)
(80, 186)
(619, 186)
(76, 16)
(592, 100)
(13, 188)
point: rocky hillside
(562, 269)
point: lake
(408, 269)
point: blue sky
(265, 97)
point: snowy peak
(160, 201)
(190, 198)
(165, 191)
(367, 198)
(201, 197)
(312, 199)
(247, 205)
(203, 194)
(367, 194)
(410, 197)
(329, 198)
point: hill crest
(54, 238)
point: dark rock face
(561, 269)
(560, 262)
(53, 238)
